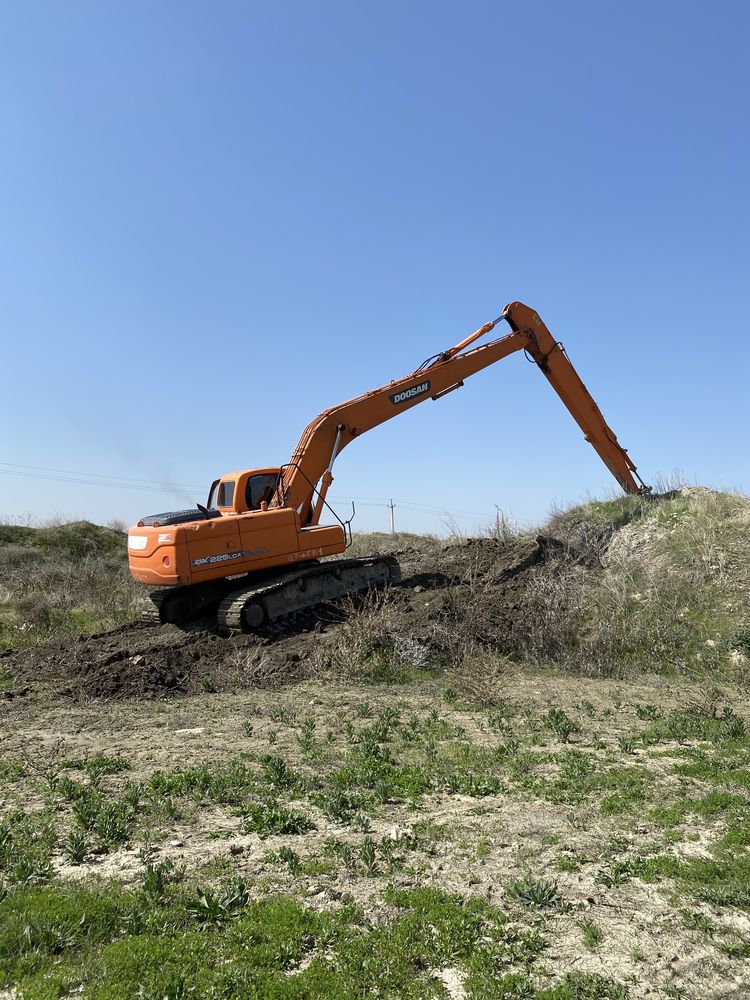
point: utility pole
(392, 508)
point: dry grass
(625, 586)
(371, 642)
(62, 578)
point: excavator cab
(239, 492)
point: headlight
(137, 542)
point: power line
(100, 475)
(413, 505)
(95, 482)
(81, 478)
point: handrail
(346, 525)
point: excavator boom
(325, 437)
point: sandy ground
(488, 841)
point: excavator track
(242, 606)
(263, 604)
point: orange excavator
(253, 554)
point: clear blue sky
(218, 219)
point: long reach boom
(325, 437)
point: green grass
(592, 934)
(117, 944)
(269, 818)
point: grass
(341, 901)
(174, 941)
(592, 934)
(62, 579)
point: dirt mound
(137, 661)
(639, 585)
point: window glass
(212, 496)
(260, 488)
(226, 494)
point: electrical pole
(392, 508)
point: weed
(26, 843)
(282, 714)
(342, 850)
(371, 767)
(157, 875)
(696, 921)
(209, 909)
(342, 805)
(277, 772)
(228, 782)
(534, 892)
(558, 722)
(592, 934)
(617, 872)
(741, 641)
(76, 846)
(647, 712)
(368, 855)
(305, 737)
(568, 863)
(289, 858)
(269, 818)
(98, 765)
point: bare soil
(480, 844)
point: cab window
(260, 489)
(226, 495)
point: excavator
(256, 553)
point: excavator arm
(305, 480)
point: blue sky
(216, 220)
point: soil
(141, 660)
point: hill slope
(62, 579)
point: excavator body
(253, 551)
(229, 541)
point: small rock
(176, 843)
(190, 732)
(397, 832)
(419, 589)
